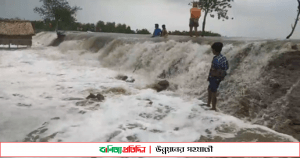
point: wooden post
(9, 45)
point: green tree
(57, 10)
(100, 26)
(93, 27)
(89, 27)
(119, 28)
(123, 28)
(143, 31)
(75, 26)
(128, 30)
(212, 7)
(111, 26)
(296, 21)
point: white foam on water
(44, 38)
(39, 85)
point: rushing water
(43, 89)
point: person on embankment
(164, 31)
(157, 31)
(194, 20)
(217, 73)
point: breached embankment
(262, 85)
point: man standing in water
(157, 31)
(217, 73)
(194, 20)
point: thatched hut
(16, 32)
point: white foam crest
(50, 78)
(187, 64)
(43, 38)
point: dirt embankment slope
(275, 101)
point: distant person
(164, 31)
(194, 20)
(217, 73)
(157, 31)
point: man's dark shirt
(219, 62)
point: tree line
(58, 14)
(100, 26)
(59, 11)
(117, 28)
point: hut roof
(16, 28)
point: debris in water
(26, 105)
(73, 99)
(131, 80)
(82, 112)
(132, 139)
(122, 77)
(98, 97)
(160, 86)
(91, 96)
(150, 102)
(295, 47)
(84, 103)
(125, 78)
(55, 118)
(115, 90)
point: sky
(252, 18)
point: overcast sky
(252, 18)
